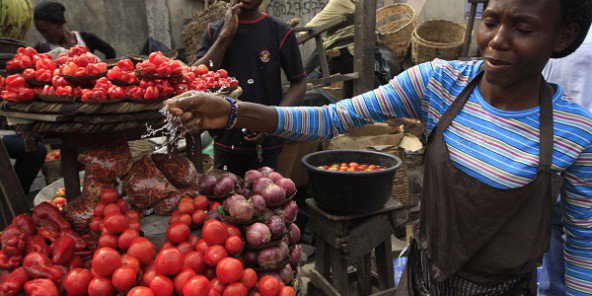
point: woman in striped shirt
(501, 144)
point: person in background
(27, 164)
(51, 23)
(572, 73)
(254, 48)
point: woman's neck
(68, 39)
(522, 95)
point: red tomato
(184, 248)
(249, 278)
(236, 289)
(115, 223)
(148, 277)
(214, 254)
(198, 217)
(210, 273)
(269, 286)
(201, 70)
(124, 278)
(185, 219)
(99, 209)
(105, 261)
(178, 233)
(223, 73)
(100, 287)
(200, 203)
(126, 237)
(77, 281)
(186, 206)
(201, 246)
(131, 262)
(168, 262)
(195, 261)
(162, 286)
(213, 292)
(140, 291)
(182, 278)
(108, 240)
(197, 286)
(218, 285)
(40, 287)
(109, 195)
(143, 250)
(214, 232)
(214, 206)
(167, 245)
(174, 218)
(193, 239)
(122, 205)
(234, 245)
(229, 270)
(233, 231)
(287, 291)
(111, 208)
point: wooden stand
(344, 241)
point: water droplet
(211, 64)
(225, 168)
(250, 81)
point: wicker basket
(437, 39)
(193, 31)
(395, 23)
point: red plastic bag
(107, 162)
(79, 214)
(169, 204)
(178, 169)
(145, 184)
(92, 188)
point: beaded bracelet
(232, 118)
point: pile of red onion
(260, 205)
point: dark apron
(476, 237)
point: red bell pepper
(25, 222)
(63, 250)
(45, 214)
(14, 282)
(37, 244)
(10, 262)
(15, 81)
(13, 240)
(38, 265)
(48, 234)
(80, 243)
(41, 287)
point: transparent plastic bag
(178, 169)
(107, 162)
(145, 184)
(92, 188)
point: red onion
(258, 203)
(250, 257)
(244, 192)
(294, 234)
(277, 225)
(295, 255)
(252, 176)
(241, 210)
(274, 176)
(274, 195)
(224, 186)
(270, 258)
(213, 215)
(288, 186)
(267, 214)
(231, 176)
(260, 185)
(230, 200)
(258, 234)
(207, 184)
(288, 212)
(287, 274)
(284, 250)
(265, 170)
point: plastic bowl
(347, 193)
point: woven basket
(193, 31)
(437, 39)
(401, 181)
(395, 23)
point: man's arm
(216, 52)
(294, 94)
(291, 60)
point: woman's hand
(199, 110)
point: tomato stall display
(352, 167)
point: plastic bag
(169, 204)
(177, 168)
(92, 188)
(79, 214)
(145, 184)
(107, 162)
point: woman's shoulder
(571, 116)
(455, 69)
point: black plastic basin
(347, 193)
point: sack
(145, 185)
(178, 169)
(107, 162)
(168, 205)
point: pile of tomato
(162, 78)
(352, 167)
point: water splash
(172, 130)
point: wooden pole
(12, 190)
(364, 45)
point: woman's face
(518, 37)
(52, 32)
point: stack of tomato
(77, 62)
(61, 87)
(15, 89)
(45, 70)
(200, 78)
(123, 73)
(26, 57)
